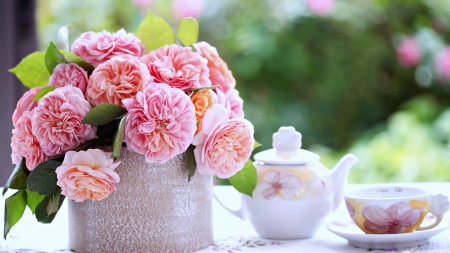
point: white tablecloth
(231, 234)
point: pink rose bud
(87, 175)
(320, 7)
(442, 64)
(69, 74)
(178, 67)
(25, 103)
(409, 53)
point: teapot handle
(438, 207)
(237, 213)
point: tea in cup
(394, 210)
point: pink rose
(178, 66)
(117, 79)
(231, 101)
(187, 8)
(96, 48)
(69, 74)
(223, 146)
(24, 144)
(408, 52)
(56, 121)
(87, 175)
(320, 7)
(160, 122)
(442, 64)
(219, 74)
(25, 103)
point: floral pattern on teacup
(279, 183)
(350, 209)
(394, 219)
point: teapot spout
(339, 176)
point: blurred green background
(333, 75)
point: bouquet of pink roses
(143, 92)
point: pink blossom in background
(119, 78)
(442, 64)
(69, 74)
(391, 220)
(87, 175)
(187, 8)
(24, 144)
(219, 74)
(231, 101)
(222, 146)
(56, 122)
(409, 53)
(142, 4)
(25, 103)
(178, 67)
(160, 122)
(96, 48)
(279, 183)
(320, 7)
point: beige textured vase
(155, 209)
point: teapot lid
(286, 149)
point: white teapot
(295, 192)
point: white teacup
(393, 210)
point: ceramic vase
(155, 209)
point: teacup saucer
(356, 237)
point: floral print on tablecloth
(235, 244)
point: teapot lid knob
(286, 149)
(286, 142)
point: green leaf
(73, 58)
(103, 114)
(32, 71)
(18, 178)
(43, 178)
(107, 131)
(191, 162)
(53, 203)
(188, 31)
(62, 39)
(43, 91)
(155, 32)
(14, 208)
(53, 57)
(118, 139)
(256, 145)
(85, 146)
(244, 181)
(33, 199)
(49, 207)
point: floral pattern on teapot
(290, 184)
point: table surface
(231, 234)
